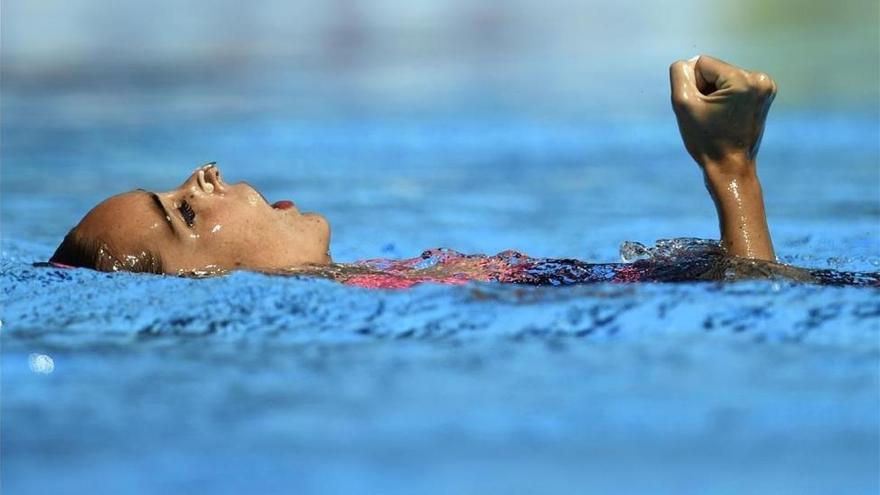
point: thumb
(714, 74)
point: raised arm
(721, 111)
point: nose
(212, 175)
(207, 178)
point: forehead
(132, 204)
(125, 219)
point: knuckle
(763, 84)
(736, 74)
(679, 100)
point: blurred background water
(538, 126)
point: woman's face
(207, 224)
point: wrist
(730, 189)
(729, 168)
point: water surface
(257, 384)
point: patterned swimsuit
(704, 261)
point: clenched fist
(721, 110)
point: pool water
(247, 383)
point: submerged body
(671, 260)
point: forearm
(736, 190)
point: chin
(326, 259)
(322, 233)
(323, 226)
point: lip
(284, 204)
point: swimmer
(209, 226)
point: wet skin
(721, 110)
(207, 225)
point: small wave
(705, 259)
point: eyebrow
(163, 211)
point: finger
(682, 82)
(714, 72)
(703, 85)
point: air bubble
(41, 363)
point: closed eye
(160, 208)
(187, 213)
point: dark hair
(80, 252)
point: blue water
(258, 384)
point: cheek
(229, 215)
(240, 227)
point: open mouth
(284, 204)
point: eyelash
(187, 212)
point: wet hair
(80, 252)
